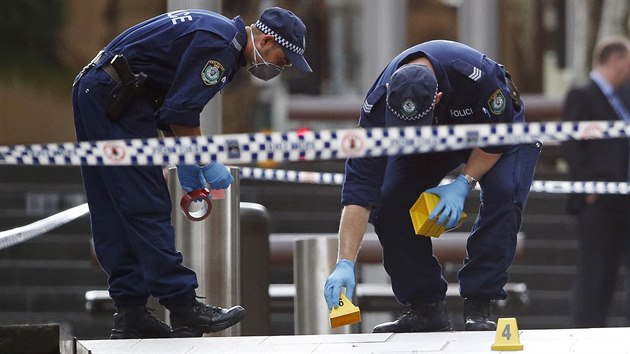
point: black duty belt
(100, 56)
(129, 85)
(108, 68)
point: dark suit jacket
(594, 160)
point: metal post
(255, 272)
(338, 30)
(221, 262)
(382, 35)
(212, 247)
(314, 259)
(479, 25)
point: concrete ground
(592, 341)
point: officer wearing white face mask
(278, 34)
(159, 75)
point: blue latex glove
(342, 276)
(217, 175)
(451, 205)
(190, 177)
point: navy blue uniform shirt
(190, 55)
(474, 91)
(473, 86)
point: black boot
(195, 319)
(478, 315)
(138, 322)
(431, 317)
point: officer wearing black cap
(435, 83)
(159, 75)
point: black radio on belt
(130, 87)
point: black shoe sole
(443, 329)
(430, 329)
(479, 325)
(135, 335)
(474, 328)
(198, 331)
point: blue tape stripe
(291, 146)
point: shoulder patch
(497, 102)
(470, 71)
(212, 72)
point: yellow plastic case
(420, 212)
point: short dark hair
(609, 46)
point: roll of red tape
(196, 205)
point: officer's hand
(451, 205)
(342, 276)
(217, 175)
(190, 177)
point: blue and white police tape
(327, 178)
(305, 146)
(588, 187)
(23, 233)
(278, 175)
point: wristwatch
(472, 182)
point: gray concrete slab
(592, 341)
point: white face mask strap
(256, 52)
(265, 70)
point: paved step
(549, 227)
(51, 246)
(40, 197)
(34, 338)
(314, 222)
(545, 302)
(557, 277)
(550, 252)
(51, 273)
(24, 174)
(81, 324)
(285, 197)
(38, 298)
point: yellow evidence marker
(507, 336)
(420, 212)
(345, 314)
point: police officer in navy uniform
(158, 75)
(437, 82)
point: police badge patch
(409, 108)
(212, 72)
(497, 102)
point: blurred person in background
(603, 220)
(437, 83)
(159, 75)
